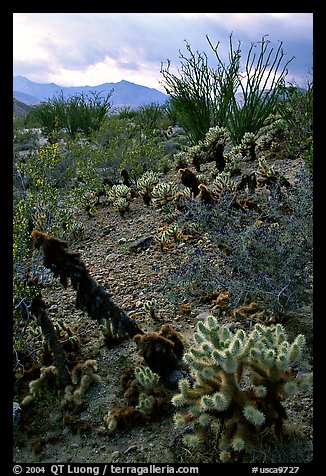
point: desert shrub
(308, 152)
(264, 78)
(170, 112)
(194, 276)
(129, 146)
(261, 255)
(296, 108)
(93, 165)
(42, 201)
(76, 113)
(152, 117)
(281, 250)
(45, 168)
(29, 276)
(24, 132)
(191, 94)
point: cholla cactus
(248, 145)
(145, 404)
(219, 400)
(216, 138)
(119, 191)
(120, 196)
(146, 378)
(146, 184)
(162, 239)
(83, 375)
(122, 205)
(267, 175)
(181, 159)
(267, 135)
(150, 306)
(146, 397)
(67, 336)
(265, 171)
(233, 161)
(89, 200)
(214, 143)
(223, 182)
(195, 154)
(37, 388)
(186, 192)
(173, 231)
(163, 193)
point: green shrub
(152, 117)
(204, 97)
(296, 108)
(129, 146)
(258, 256)
(79, 113)
(191, 94)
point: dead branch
(91, 297)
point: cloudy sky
(78, 49)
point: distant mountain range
(124, 92)
(21, 108)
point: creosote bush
(219, 400)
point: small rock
(16, 412)
(142, 243)
(174, 377)
(129, 307)
(110, 256)
(202, 316)
(130, 449)
(181, 245)
(122, 241)
(53, 308)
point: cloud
(100, 47)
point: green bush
(42, 201)
(152, 117)
(258, 256)
(191, 94)
(296, 108)
(130, 145)
(79, 113)
(204, 97)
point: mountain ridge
(124, 92)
